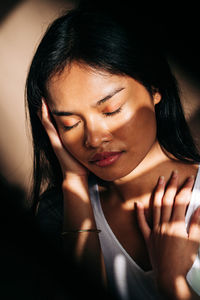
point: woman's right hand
(78, 213)
(69, 165)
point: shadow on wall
(34, 267)
(22, 25)
(6, 7)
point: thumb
(45, 118)
(51, 131)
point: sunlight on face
(97, 112)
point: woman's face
(107, 122)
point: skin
(134, 177)
(97, 132)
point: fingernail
(191, 178)
(175, 174)
(138, 205)
(161, 180)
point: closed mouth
(104, 159)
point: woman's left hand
(171, 248)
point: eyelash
(108, 114)
(66, 128)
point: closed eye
(108, 114)
(67, 128)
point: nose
(96, 134)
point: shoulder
(49, 216)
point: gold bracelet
(80, 231)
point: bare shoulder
(189, 169)
(186, 170)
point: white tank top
(125, 278)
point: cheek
(71, 142)
(139, 128)
(121, 122)
(145, 120)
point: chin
(112, 176)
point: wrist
(75, 188)
(71, 179)
(74, 176)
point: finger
(157, 202)
(182, 199)
(47, 123)
(194, 227)
(51, 131)
(142, 222)
(168, 198)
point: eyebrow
(99, 102)
(109, 96)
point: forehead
(79, 81)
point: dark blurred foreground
(31, 266)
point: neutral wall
(20, 33)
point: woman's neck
(139, 184)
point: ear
(156, 98)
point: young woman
(115, 154)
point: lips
(103, 155)
(104, 159)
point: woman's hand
(82, 248)
(171, 248)
(69, 165)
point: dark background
(179, 24)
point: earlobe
(157, 98)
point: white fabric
(125, 278)
(193, 276)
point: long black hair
(108, 42)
